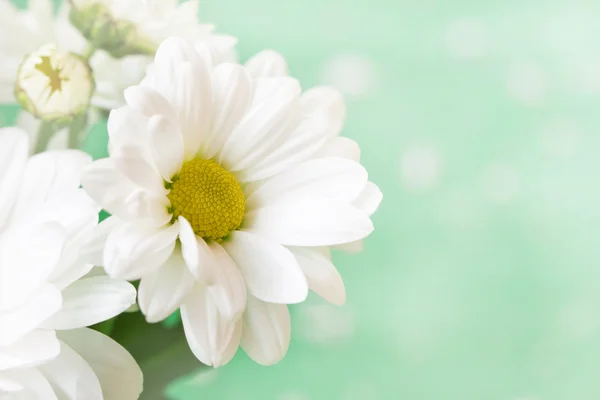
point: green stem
(75, 129)
(89, 52)
(45, 133)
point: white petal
(9, 385)
(117, 371)
(340, 146)
(182, 77)
(148, 102)
(267, 63)
(49, 174)
(309, 222)
(27, 259)
(72, 271)
(266, 331)
(170, 55)
(209, 334)
(262, 127)
(132, 251)
(324, 114)
(232, 346)
(270, 270)
(229, 289)
(251, 187)
(208, 266)
(197, 255)
(327, 102)
(29, 383)
(166, 146)
(189, 246)
(130, 162)
(302, 144)
(148, 208)
(351, 247)
(92, 300)
(268, 88)
(216, 49)
(121, 197)
(14, 146)
(108, 187)
(174, 51)
(333, 178)
(78, 215)
(162, 291)
(75, 209)
(369, 199)
(191, 96)
(19, 321)
(92, 250)
(127, 127)
(34, 348)
(71, 376)
(322, 276)
(232, 94)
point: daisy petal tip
(301, 295)
(218, 362)
(267, 63)
(152, 319)
(338, 301)
(132, 295)
(373, 199)
(173, 45)
(129, 92)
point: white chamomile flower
(227, 185)
(39, 25)
(46, 298)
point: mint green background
(475, 284)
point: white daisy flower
(227, 186)
(46, 299)
(39, 25)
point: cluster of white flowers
(227, 187)
(49, 290)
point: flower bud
(104, 31)
(54, 85)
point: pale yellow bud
(54, 85)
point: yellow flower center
(209, 197)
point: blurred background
(479, 121)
